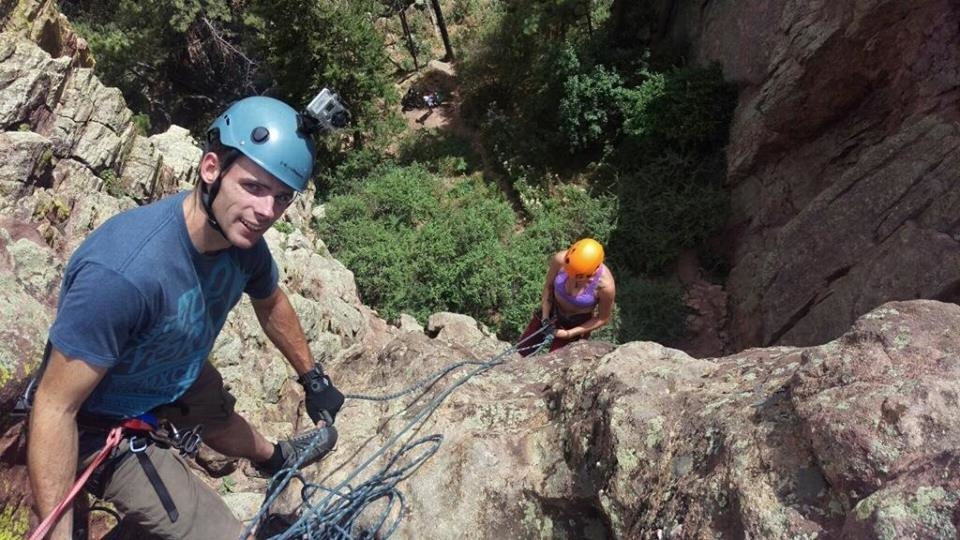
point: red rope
(113, 439)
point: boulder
(850, 439)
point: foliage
(683, 107)
(341, 176)
(14, 522)
(183, 61)
(669, 171)
(284, 227)
(517, 73)
(671, 202)
(419, 246)
(570, 214)
(588, 113)
(227, 485)
(168, 57)
(441, 153)
(141, 122)
(648, 310)
(307, 45)
(112, 183)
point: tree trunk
(409, 36)
(448, 57)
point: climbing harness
(140, 432)
(334, 512)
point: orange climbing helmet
(584, 257)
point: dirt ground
(439, 77)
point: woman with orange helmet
(577, 297)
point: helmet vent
(260, 135)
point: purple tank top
(587, 298)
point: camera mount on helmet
(325, 113)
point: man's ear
(209, 168)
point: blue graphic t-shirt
(138, 298)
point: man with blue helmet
(142, 301)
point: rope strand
(336, 514)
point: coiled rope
(334, 512)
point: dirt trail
(442, 77)
(438, 77)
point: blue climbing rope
(334, 512)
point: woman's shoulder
(607, 280)
(556, 259)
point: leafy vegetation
(419, 246)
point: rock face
(40, 21)
(843, 157)
(853, 439)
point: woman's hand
(563, 334)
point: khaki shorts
(202, 513)
(207, 402)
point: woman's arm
(606, 294)
(546, 296)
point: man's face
(250, 200)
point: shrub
(648, 310)
(589, 109)
(671, 202)
(416, 247)
(684, 107)
(439, 152)
(141, 122)
(284, 227)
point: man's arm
(52, 437)
(282, 325)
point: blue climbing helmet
(271, 134)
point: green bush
(589, 109)
(568, 215)
(141, 122)
(648, 310)
(150, 51)
(407, 239)
(682, 107)
(671, 202)
(440, 152)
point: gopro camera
(328, 111)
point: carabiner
(137, 449)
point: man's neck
(203, 236)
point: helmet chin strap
(207, 195)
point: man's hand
(323, 399)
